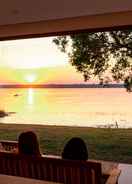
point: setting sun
(35, 61)
(30, 78)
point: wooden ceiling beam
(103, 22)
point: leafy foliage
(99, 54)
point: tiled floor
(126, 174)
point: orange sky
(35, 61)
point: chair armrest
(113, 178)
(7, 145)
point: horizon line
(52, 85)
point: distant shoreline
(61, 86)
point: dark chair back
(50, 169)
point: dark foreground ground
(102, 143)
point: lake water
(70, 107)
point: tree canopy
(100, 54)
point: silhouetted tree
(128, 83)
(95, 54)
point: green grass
(102, 143)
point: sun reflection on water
(30, 96)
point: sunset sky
(36, 61)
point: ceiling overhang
(26, 19)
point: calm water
(72, 107)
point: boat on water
(16, 95)
(3, 113)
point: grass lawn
(103, 143)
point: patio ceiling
(35, 18)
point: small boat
(16, 95)
(3, 113)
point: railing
(11, 146)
